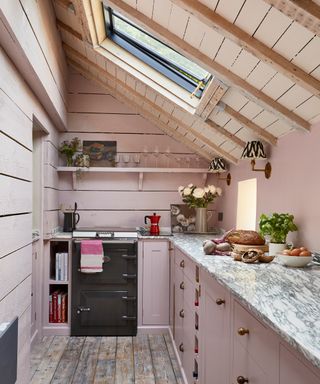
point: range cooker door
(104, 313)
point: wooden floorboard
(144, 359)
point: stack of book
(61, 267)
(58, 307)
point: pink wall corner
(294, 186)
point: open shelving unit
(76, 172)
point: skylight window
(158, 55)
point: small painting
(101, 153)
(183, 218)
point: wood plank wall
(114, 199)
(19, 109)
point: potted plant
(277, 226)
(69, 148)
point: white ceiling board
(279, 128)
(91, 55)
(178, 21)
(190, 136)
(293, 40)
(73, 42)
(237, 152)
(194, 32)
(150, 95)
(221, 118)
(141, 88)
(315, 120)
(272, 27)
(316, 73)
(229, 9)
(277, 86)
(111, 68)
(210, 42)
(294, 97)
(309, 109)
(228, 146)
(132, 3)
(234, 99)
(251, 15)
(264, 119)
(68, 18)
(101, 61)
(251, 110)
(261, 75)
(244, 64)
(232, 126)
(309, 58)
(246, 134)
(216, 139)
(210, 3)
(164, 119)
(121, 74)
(228, 53)
(145, 7)
(168, 107)
(162, 11)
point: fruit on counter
(302, 251)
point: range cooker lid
(110, 233)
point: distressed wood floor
(145, 359)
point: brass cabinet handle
(242, 380)
(181, 313)
(243, 331)
(182, 285)
(182, 263)
(181, 347)
(220, 301)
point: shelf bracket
(75, 180)
(140, 185)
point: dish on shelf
(294, 261)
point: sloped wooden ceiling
(264, 55)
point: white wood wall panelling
(50, 221)
(14, 233)
(10, 275)
(51, 199)
(16, 196)
(214, 67)
(307, 13)
(147, 115)
(51, 154)
(79, 84)
(24, 347)
(30, 53)
(222, 153)
(15, 160)
(51, 177)
(244, 40)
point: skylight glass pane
(161, 49)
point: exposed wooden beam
(215, 127)
(304, 12)
(212, 66)
(67, 28)
(262, 133)
(84, 12)
(143, 112)
(212, 95)
(249, 43)
(67, 4)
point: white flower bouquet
(196, 197)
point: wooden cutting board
(244, 248)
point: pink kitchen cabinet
(178, 309)
(156, 283)
(214, 328)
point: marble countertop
(287, 299)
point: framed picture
(183, 218)
(101, 153)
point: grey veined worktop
(287, 299)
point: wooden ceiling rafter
(260, 132)
(222, 72)
(306, 13)
(250, 44)
(203, 138)
(84, 13)
(67, 28)
(211, 97)
(67, 4)
(146, 114)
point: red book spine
(59, 308)
(50, 309)
(55, 306)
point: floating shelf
(139, 170)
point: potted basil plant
(277, 226)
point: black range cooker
(105, 303)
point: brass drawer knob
(182, 285)
(181, 313)
(243, 331)
(181, 347)
(242, 380)
(182, 263)
(220, 301)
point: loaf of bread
(241, 236)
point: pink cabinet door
(178, 309)
(293, 371)
(214, 328)
(155, 290)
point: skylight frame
(181, 76)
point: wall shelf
(76, 172)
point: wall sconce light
(254, 150)
(218, 165)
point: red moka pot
(154, 219)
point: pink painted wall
(294, 186)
